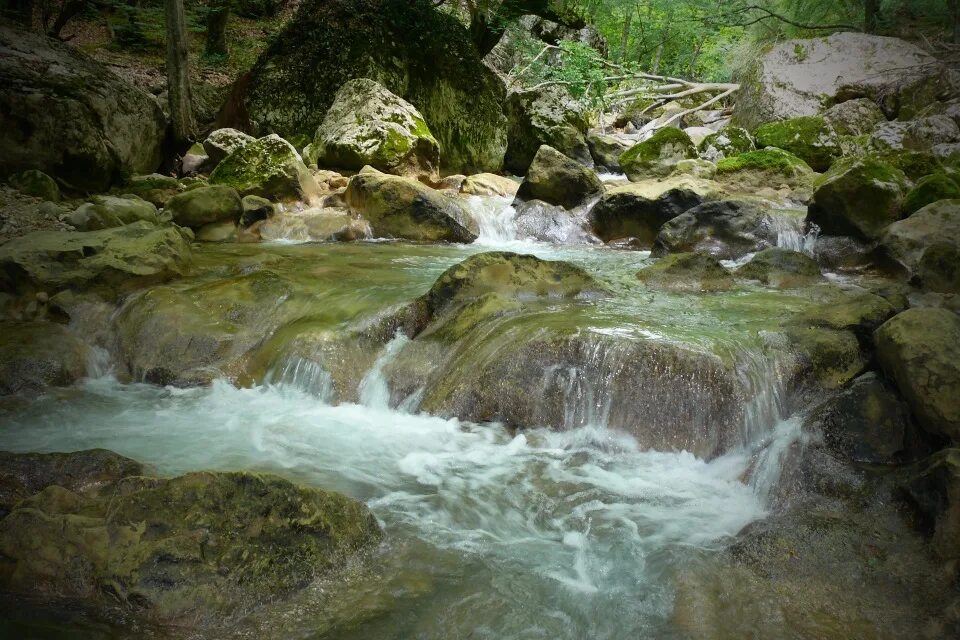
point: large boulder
(369, 125)
(803, 77)
(104, 212)
(205, 205)
(188, 551)
(810, 138)
(71, 117)
(919, 350)
(399, 207)
(606, 151)
(859, 197)
(770, 167)
(155, 188)
(269, 167)
(36, 355)
(686, 272)
(725, 229)
(638, 210)
(139, 251)
(855, 117)
(905, 241)
(922, 134)
(37, 184)
(930, 189)
(781, 267)
(658, 155)
(222, 142)
(417, 52)
(939, 268)
(546, 116)
(489, 184)
(556, 179)
(731, 141)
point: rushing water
(490, 532)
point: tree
(489, 18)
(217, 16)
(178, 75)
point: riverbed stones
(189, 550)
(136, 252)
(638, 210)
(546, 116)
(686, 272)
(780, 84)
(37, 355)
(105, 212)
(557, 179)
(369, 125)
(222, 142)
(904, 242)
(859, 197)
(205, 205)
(919, 350)
(37, 184)
(71, 117)
(268, 167)
(781, 268)
(657, 156)
(399, 207)
(810, 138)
(726, 229)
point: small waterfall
(792, 235)
(98, 363)
(373, 390)
(304, 375)
(495, 217)
(582, 405)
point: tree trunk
(178, 75)
(871, 16)
(625, 36)
(67, 11)
(217, 29)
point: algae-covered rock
(859, 197)
(369, 125)
(915, 164)
(687, 272)
(268, 167)
(939, 268)
(731, 141)
(764, 168)
(802, 77)
(57, 259)
(222, 142)
(832, 357)
(71, 117)
(556, 179)
(905, 241)
(205, 205)
(638, 210)
(104, 212)
(810, 138)
(546, 116)
(855, 117)
(36, 355)
(860, 313)
(656, 156)
(781, 268)
(399, 207)
(489, 184)
(25, 474)
(928, 190)
(155, 188)
(421, 54)
(606, 151)
(37, 184)
(726, 229)
(189, 550)
(919, 350)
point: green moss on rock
(37, 184)
(731, 141)
(269, 167)
(930, 189)
(656, 156)
(765, 166)
(810, 138)
(781, 268)
(687, 272)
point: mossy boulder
(686, 272)
(36, 355)
(255, 209)
(606, 151)
(421, 54)
(939, 268)
(71, 117)
(731, 141)
(810, 138)
(546, 116)
(781, 268)
(726, 229)
(557, 179)
(904, 242)
(919, 350)
(656, 156)
(222, 142)
(369, 125)
(268, 167)
(139, 252)
(638, 210)
(35, 183)
(188, 551)
(915, 164)
(855, 117)
(860, 313)
(859, 197)
(399, 207)
(104, 212)
(205, 205)
(830, 358)
(155, 188)
(928, 190)
(764, 168)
